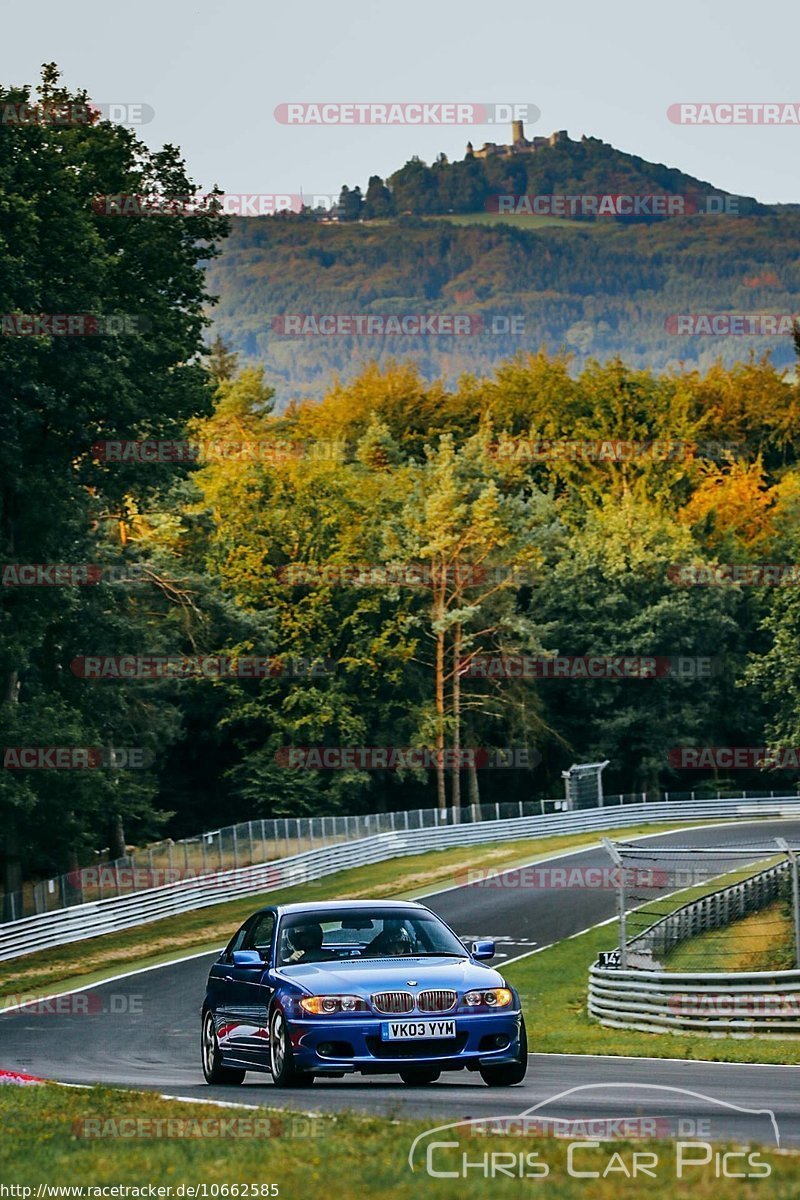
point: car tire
(211, 1057)
(281, 1057)
(419, 1076)
(507, 1074)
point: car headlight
(493, 998)
(325, 1006)
(498, 997)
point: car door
(222, 988)
(249, 991)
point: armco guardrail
(715, 910)
(123, 912)
(266, 838)
(716, 1004)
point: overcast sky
(214, 73)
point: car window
(259, 935)
(237, 941)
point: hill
(597, 287)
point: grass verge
(80, 964)
(764, 941)
(46, 1142)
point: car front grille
(393, 1002)
(437, 1000)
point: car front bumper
(331, 1046)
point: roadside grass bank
(100, 1137)
(80, 964)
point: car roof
(321, 906)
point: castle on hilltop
(519, 144)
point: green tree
(378, 200)
(61, 395)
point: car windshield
(369, 933)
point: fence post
(623, 934)
(792, 856)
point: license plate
(406, 1031)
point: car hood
(361, 978)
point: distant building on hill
(519, 144)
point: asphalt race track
(143, 1031)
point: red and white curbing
(19, 1078)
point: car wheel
(506, 1074)
(281, 1057)
(419, 1076)
(213, 1069)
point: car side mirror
(247, 958)
(483, 948)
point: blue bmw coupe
(377, 987)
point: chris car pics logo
(540, 1144)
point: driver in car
(307, 943)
